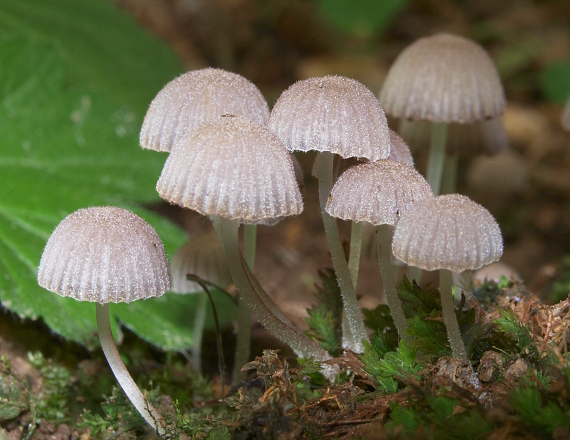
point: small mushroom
(566, 116)
(379, 193)
(443, 79)
(103, 255)
(234, 169)
(451, 233)
(334, 115)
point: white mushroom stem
(355, 251)
(301, 344)
(436, 157)
(447, 304)
(385, 264)
(127, 383)
(353, 330)
(243, 341)
(449, 182)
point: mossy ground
(516, 385)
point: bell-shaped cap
(566, 116)
(377, 192)
(443, 78)
(104, 254)
(481, 137)
(233, 168)
(204, 257)
(197, 97)
(399, 150)
(447, 232)
(332, 113)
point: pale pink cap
(204, 257)
(377, 192)
(399, 150)
(233, 168)
(447, 232)
(566, 115)
(443, 78)
(104, 254)
(332, 113)
(197, 97)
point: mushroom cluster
(231, 160)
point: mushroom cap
(447, 232)
(443, 78)
(332, 113)
(104, 254)
(233, 168)
(566, 115)
(197, 97)
(399, 150)
(481, 137)
(204, 257)
(377, 192)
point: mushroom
(379, 193)
(102, 255)
(197, 97)
(451, 233)
(234, 169)
(204, 257)
(443, 79)
(339, 115)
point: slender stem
(436, 155)
(243, 341)
(301, 344)
(249, 243)
(355, 252)
(199, 321)
(353, 330)
(127, 383)
(384, 251)
(449, 184)
(447, 304)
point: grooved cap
(377, 192)
(197, 97)
(399, 150)
(443, 78)
(332, 113)
(448, 232)
(233, 168)
(204, 257)
(104, 254)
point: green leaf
(362, 18)
(76, 79)
(556, 81)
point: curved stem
(436, 155)
(353, 330)
(355, 251)
(301, 344)
(127, 383)
(199, 321)
(447, 304)
(384, 251)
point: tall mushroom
(379, 193)
(451, 233)
(234, 169)
(443, 79)
(103, 255)
(334, 115)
